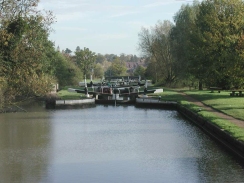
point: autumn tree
(23, 34)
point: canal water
(104, 144)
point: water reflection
(84, 106)
(109, 144)
(24, 146)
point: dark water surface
(109, 144)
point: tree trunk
(200, 86)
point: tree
(219, 29)
(117, 68)
(67, 51)
(98, 71)
(152, 71)
(77, 49)
(58, 49)
(10, 9)
(140, 71)
(85, 59)
(66, 72)
(133, 58)
(180, 35)
(100, 58)
(110, 57)
(106, 65)
(122, 57)
(155, 44)
(23, 34)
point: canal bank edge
(226, 140)
(222, 137)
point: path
(233, 120)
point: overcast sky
(106, 26)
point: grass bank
(65, 95)
(222, 102)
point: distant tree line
(114, 65)
(99, 65)
(204, 45)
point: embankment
(221, 136)
(230, 143)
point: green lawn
(229, 127)
(233, 106)
(169, 95)
(65, 95)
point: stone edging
(232, 145)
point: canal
(109, 144)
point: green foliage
(98, 71)
(117, 68)
(100, 58)
(220, 26)
(65, 70)
(24, 46)
(180, 35)
(17, 27)
(85, 59)
(65, 95)
(68, 51)
(151, 71)
(207, 42)
(22, 58)
(140, 71)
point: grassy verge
(232, 106)
(220, 101)
(169, 95)
(226, 125)
(65, 95)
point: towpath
(239, 123)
